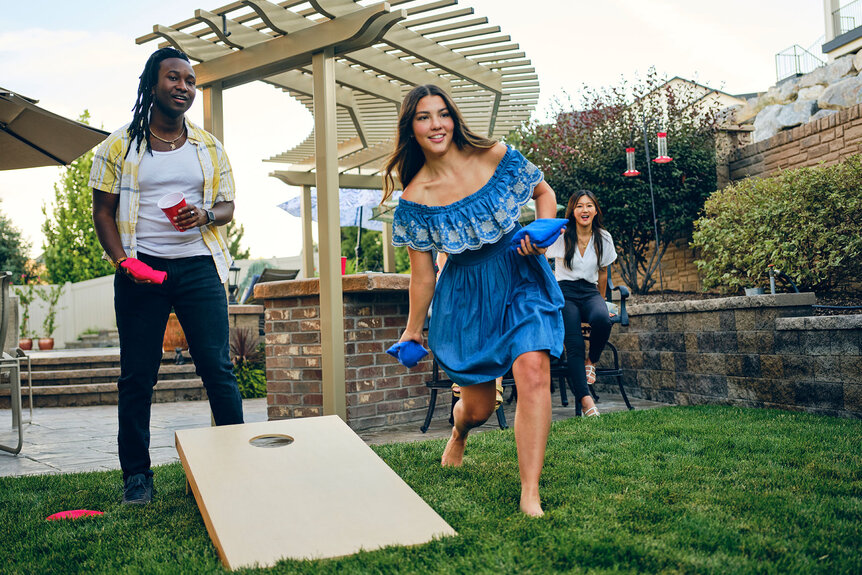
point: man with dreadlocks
(161, 152)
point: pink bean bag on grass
(73, 514)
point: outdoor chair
(560, 367)
(10, 368)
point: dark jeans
(584, 304)
(197, 296)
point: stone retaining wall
(828, 140)
(759, 351)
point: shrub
(248, 362)
(805, 221)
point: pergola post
(388, 249)
(329, 232)
(213, 111)
(307, 240)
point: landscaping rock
(810, 93)
(842, 94)
(766, 123)
(788, 89)
(818, 76)
(799, 112)
(857, 61)
(841, 67)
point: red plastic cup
(170, 204)
(343, 265)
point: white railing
(848, 17)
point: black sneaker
(138, 490)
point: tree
(235, 231)
(72, 250)
(586, 149)
(13, 249)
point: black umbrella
(31, 137)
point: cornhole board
(325, 494)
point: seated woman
(582, 256)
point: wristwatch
(210, 217)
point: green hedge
(807, 222)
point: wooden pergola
(351, 63)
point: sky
(77, 55)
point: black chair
(438, 382)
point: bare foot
(453, 455)
(531, 506)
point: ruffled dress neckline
(478, 219)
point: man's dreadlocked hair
(148, 79)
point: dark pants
(584, 304)
(195, 292)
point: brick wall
(679, 272)
(827, 140)
(379, 391)
(760, 351)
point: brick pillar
(379, 391)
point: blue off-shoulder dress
(490, 304)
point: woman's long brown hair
(407, 158)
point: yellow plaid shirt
(115, 173)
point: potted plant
(25, 298)
(50, 296)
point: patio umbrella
(354, 206)
(31, 137)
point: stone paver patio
(75, 439)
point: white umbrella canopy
(355, 207)
(31, 137)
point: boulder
(799, 112)
(770, 97)
(744, 113)
(810, 93)
(841, 94)
(817, 76)
(766, 123)
(787, 90)
(857, 61)
(839, 68)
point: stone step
(167, 371)
(104, 393)
(86, 359)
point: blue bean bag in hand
(542, 232)
(408, 353)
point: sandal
(591, 374)
(592, 412)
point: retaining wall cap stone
(349, 283)
(819, 322)
(736, 302)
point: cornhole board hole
(299, 489)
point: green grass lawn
(671, 490)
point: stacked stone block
(750, 351)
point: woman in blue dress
(494, 308)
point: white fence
(89, 305)
(82, 306)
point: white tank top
(159, 174)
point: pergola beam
(354, 31)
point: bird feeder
(662, 157)
(630, 163)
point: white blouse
(583, 267)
